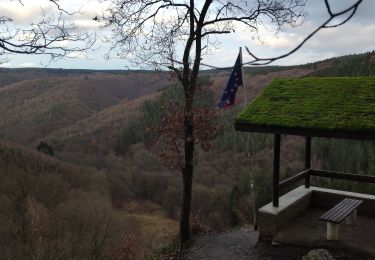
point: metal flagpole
(248, 148)
(243, 77)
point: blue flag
(235, 80)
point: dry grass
(156, 228)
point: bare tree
(51, 35)
(177, 34)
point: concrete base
(332, 231)
(271, 219)
(352, 218)
(309, 231)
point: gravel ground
(243, 244)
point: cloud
(284, 41)
(354, 37)
(17, 12)
(5, 65)
(317, 11)
(222, 57)
(87, 24)
(77, 54)
(28, 65)
(349, 38)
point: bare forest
(82, 172)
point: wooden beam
(307, 160)
(276, 170)
(343, 176)
(291, 180)
(301, 131)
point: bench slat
(345, 212)
(339, 207)
(339, 212)
(336, 209)
(332, 212)
(345, 207)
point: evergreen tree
(45, 148)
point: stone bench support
(352, 218)
(332, 231)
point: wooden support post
(276, 170)
(307, 161)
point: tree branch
(265, 61)
(50, 36)
(257, 61)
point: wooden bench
(346, 209)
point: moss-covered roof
(332, 107)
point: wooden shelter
(313, 107)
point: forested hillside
(106, 184)
(49, 104)
(54, 210)
(51, 209)
(349, 66)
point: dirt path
(243, 244)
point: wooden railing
(343, 176)
(307, 173)
(291, 180)
(323, 173)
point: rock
(318, 254)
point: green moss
(320, 103)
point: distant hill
(45, 105)
(347, 66)
(98, 132)
(85, 110)
(13, 75)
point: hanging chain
(249, 153)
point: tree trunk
(187, 171)
(186, 203)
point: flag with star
(235, 80)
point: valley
(105, 184)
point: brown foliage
(129, 247)
(169, 134)
(197, 227)
(243, 211)
(38, 216)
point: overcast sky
(356, 36)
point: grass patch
(339, 103)
(156, 228)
